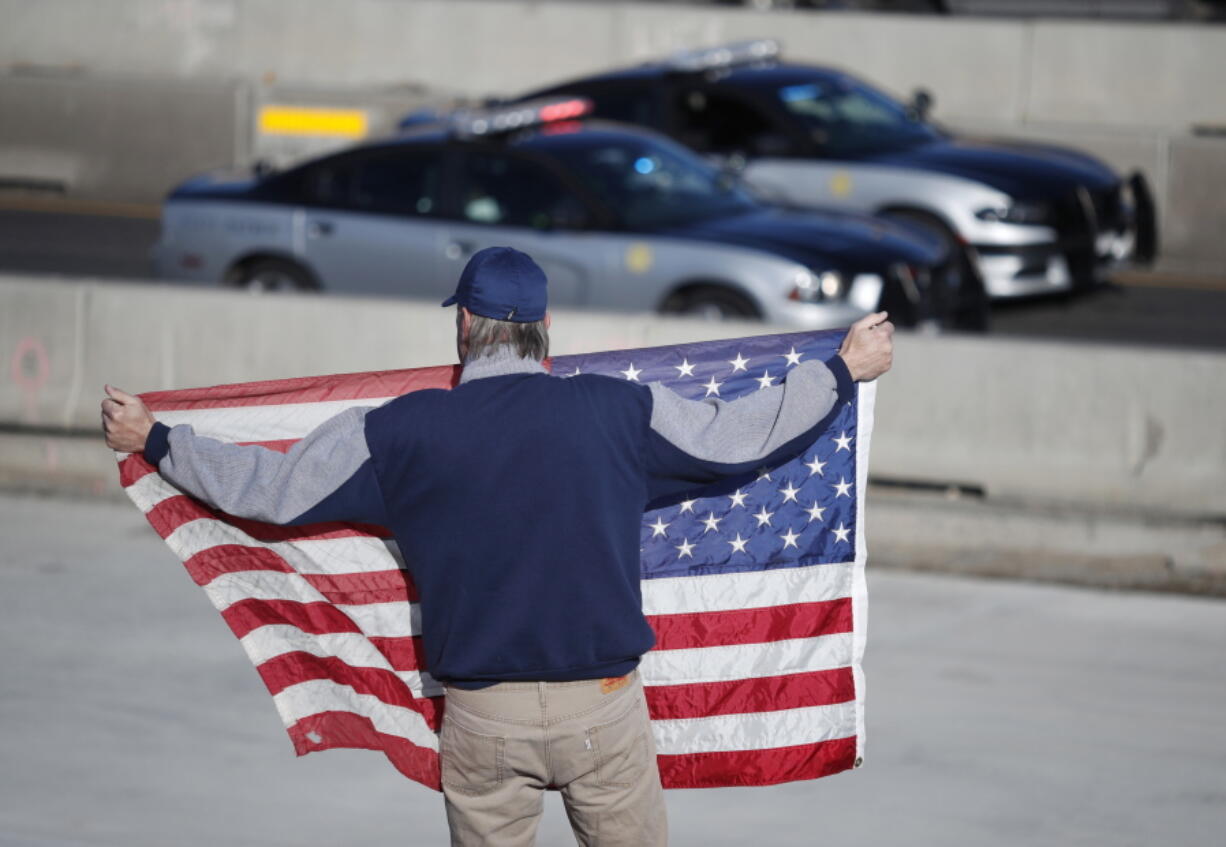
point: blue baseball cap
(502, 283)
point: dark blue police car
(1037, 218)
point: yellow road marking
(300, 120)
(76, 206)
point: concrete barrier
(1058, 423)
(63, 339)
(1031, 422)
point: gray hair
(530, 340)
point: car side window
(712, 122)
(504, 190)
(395, 182)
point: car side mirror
(922, 102)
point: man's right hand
(868, 348)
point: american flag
(755, 587)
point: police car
(619, 218)
(1038, 218)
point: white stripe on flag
(231, 588)
(262, 423)
(749, 590)
(350, 554)
(745, 661)
(321, 695)
(352, 648)
(150, 490)
(386, 620)
(755, 730)
(396, 619)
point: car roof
(770, 73)
(541, 136)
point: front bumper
(1093, 234)
(1023, 271)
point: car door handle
(318, 229)
(460, 249)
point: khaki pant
(503, 746)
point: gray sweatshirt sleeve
(326, 476)
(696, 442)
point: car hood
(819, 240)
(1022, 170)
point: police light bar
(725, 56)
(520, 115)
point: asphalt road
(1163, 311)
(998, 714)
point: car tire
(713, 303)
(962, 302)
(273, 276)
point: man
(516, 499)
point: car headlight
(1015, 213)
(866, 291)
(810, 287)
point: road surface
(999, 714)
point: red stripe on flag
(375, 384)
(326, 730)
(174, 512)
(314, 618)
(281, 445)
(742, 696)
(272, 533)
(133, 468)
(348, 589)
(207, 565)
(751, 626)
(403, 654)
(758, 767)
(280, 672)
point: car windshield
(846, 117)
(650, 184)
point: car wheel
(956, 298)
(712, 303)
(273, 276)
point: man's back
(516, 500)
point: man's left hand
(125, 421)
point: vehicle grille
(1078, 218)
(1108, 208)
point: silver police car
(1036, 218)
(619, 218)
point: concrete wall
(1039, 423)
(1109, 74)
(130, 138)
(121, 138)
